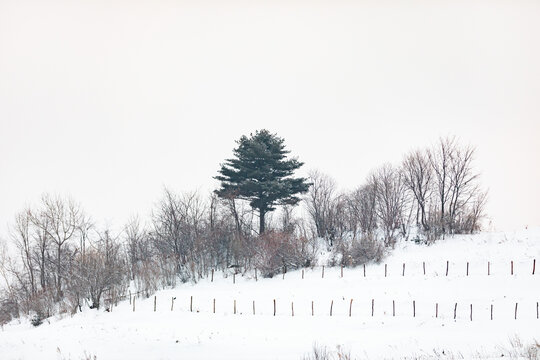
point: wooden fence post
(447, 263)
(234, 277)
(212, 280)
(191, 304)
(255, 274)
(253, 307)
(455, 310)
(403, 274)
(234, 307)
(323, 271)
(512, 267)
(436, 310)
(350, 308)
(274, 307)
(284, 273)
(331, 306)
(372, 306)
(292, 308)
(424, 266)
(302, 274)
(129, 297)
(393, 308)
(414, 308)
(467, 268)
(385, 266)
(488, 268)
(471, 312)
(491, 311)
(155, 299)
(342, 270)
(515, 312)
(172, 303)
(214, 306)
(537, 309)
(133, 304)
(364, 270)
(312, 309)
(534, 265)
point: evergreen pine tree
(261, 173)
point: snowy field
(371, 331)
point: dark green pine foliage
(261, 173)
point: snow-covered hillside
(414, 331)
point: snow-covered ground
(202, 334)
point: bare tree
(103, 268)
(41, 248)
(338, 222)
(178, 226)
(138, 247)
(440, 158)
(320, 202)
(362, 205)
(417, 177)
(60, 220)
(168, 223)
(224, 229)
(456, 183)
(22, 239)
(242, 215)
(391, 200)
(476, 212)
(463, 186)
(9, 308)
(5, 266)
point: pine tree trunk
(262, 213)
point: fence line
(342, 274)
(447, 266)
(447, 270)
(113, 299)
(350, 308)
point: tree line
(433, 192)
(64, 262)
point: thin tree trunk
(261, 221)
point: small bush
(322, 353)
(358, 252)
(519, 349)
(9, 310)
(277, 251)
(36, 319)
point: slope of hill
(407, 312)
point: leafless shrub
(322, 353)
(521, 350)
(277, 251)
(149, 276)
(356, 252)
(318, 353)
(9, 309)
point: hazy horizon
(108, 102)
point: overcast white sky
(108, 101)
